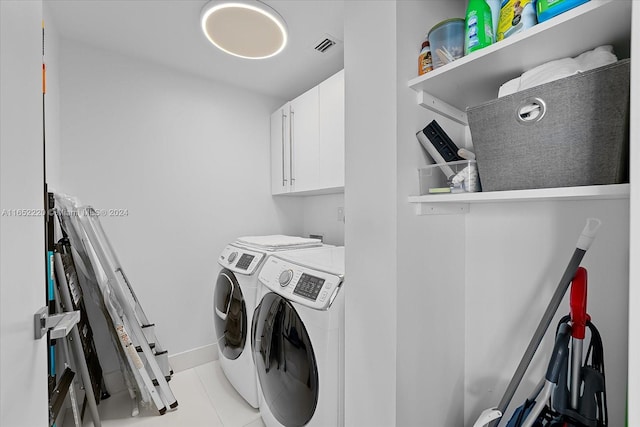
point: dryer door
(285, 361)
(230, 315)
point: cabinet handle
(291, 147)
(284, 180)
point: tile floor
(205, 398)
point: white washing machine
(235, 299)
(298, 339)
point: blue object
(50, 283)
(52, 360)
(521, 414)
(547, 9)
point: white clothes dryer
(235, 299)
(298, 339)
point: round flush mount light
(248, 29)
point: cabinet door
(331, 119)
(280, 154)
(303, 119)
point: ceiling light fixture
(248, 29)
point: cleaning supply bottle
(515, 17)
(495, 6)
(425, 63)
(478, 26)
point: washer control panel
(309, 286)
(312, 288)
(240, 260)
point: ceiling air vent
(325, 43)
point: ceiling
(168, 32)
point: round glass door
(230, 315)
(285, 361)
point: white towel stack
(560, 68)
(278, 242)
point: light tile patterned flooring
(205, 398)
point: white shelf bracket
(434, 104)
(441, 208)
(59, 324)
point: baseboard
(192, 358)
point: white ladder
(147, 360)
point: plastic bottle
(495, 6)
(478, 26)
(515, 17)
(425, 63)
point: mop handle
(584, 243)
(578, 305)
(588, 234)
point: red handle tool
(578, 304)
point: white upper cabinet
(307, 141)
(331, 94)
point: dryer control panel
(312, 288)
(240, 260)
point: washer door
(285, 361)
(230, 315)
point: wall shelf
(475, 78)
(434, 204)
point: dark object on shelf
(445, 149)
(569, 132)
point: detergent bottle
(478, 26)
(515, 17)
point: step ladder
(146, 359)
(61, 327)
(57, 327)
(66, 385)
(70, 298)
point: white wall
(53, 150)
(187, 159)
(321, 217)
(370, 207)
(23, 360)
(431, 254)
